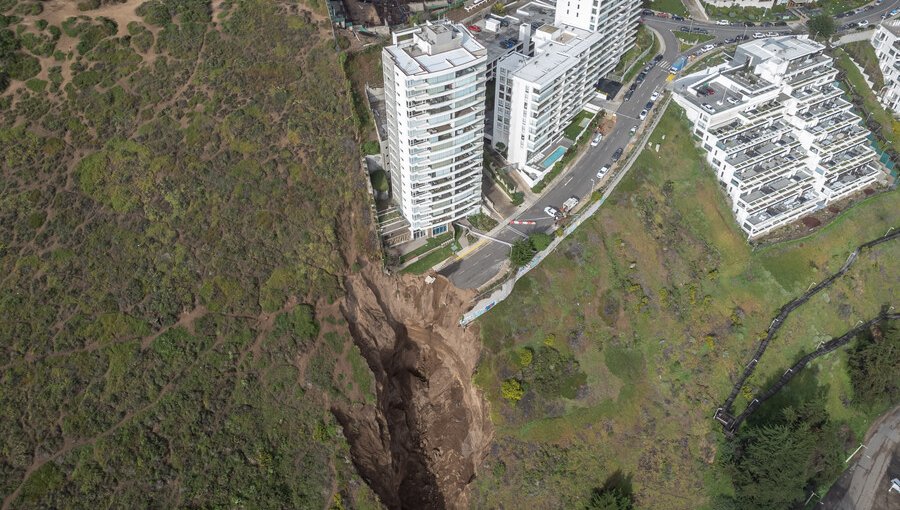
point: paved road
(865, 485)
(483, 263)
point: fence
(505, 290)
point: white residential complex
(886, 41)
(777, 131)
(434, 84)
(536, 96)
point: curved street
(484, 260)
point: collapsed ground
(607, 362)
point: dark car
(767, 24)
(749, 24)
(706, 91)
(647, 12)
(618, 154)
(684, 29)
(649, 105)
(657, 59)
(780, 24)
(628, 95)
(676, 17)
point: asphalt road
(482, 264)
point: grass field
(671, 6)
(655, 304)
(574, 128)
(864, 54)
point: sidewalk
(695, 8)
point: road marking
(568, 181)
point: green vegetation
(380, 181)
(856, 85)
(864, 54)
(660, 301)
(430, 244)
(833, 7)
(642, 42)
(875, 367)
(482, 222)
(178, 205)
(371, 147)
(821, 27)
(575, 127)
(425, 263)
(524, 250)
(671, 6)
(689, 40)
(755, 14)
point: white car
(633, 129)
(602, 171)
(759, 35)
(771, 34)
(596, 141)
(643, 114)
(708, 47)
(551, 211)
(654, 96)
(722, 22)
(862, 23)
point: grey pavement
(482, 262)
(865, 485)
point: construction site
(376, 17)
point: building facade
(434, 82)
(886, 41)
(777, 131)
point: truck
(678, 65)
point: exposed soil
(421, 444)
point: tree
(609, 499)
(540, 241)
(875, 365)
(773, 467)
(522, 252)
(821, 26)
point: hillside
(605, 366)
(179, 207)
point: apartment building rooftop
(554, 56)
(786, 47)
(434, 47)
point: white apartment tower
(536, 96)
(886, 41)
(776, 129)
(434, 84)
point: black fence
(724, 413)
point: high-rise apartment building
(777, 131)
(434, 84)
(537, 95)
(886, 41)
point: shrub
(526, 356)
(380, 181)
(36, 84)
(540, 241)
(512, 390)
(521, 253)
(371, 147)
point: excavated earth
(421, 444)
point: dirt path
(57, 11)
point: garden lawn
(575, 127)
(670, 6)
(656, 303)
(428, 261)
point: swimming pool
(553, 157)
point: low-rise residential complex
(886, 41)
(434, 87)
(776, 129)
(537, 95)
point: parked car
(602, 171)
(767, 24)
(722, 22)
(771, 34)
(570, 204)
(708, 107)
(647, 12)
(749, 24)
(862, 23)
(596, 141)
(733, 100)
(643, 114)
(708, 47)
(676, 17)
(475, 28)
(649, 105)
(780, 23)
(705, 90)
(633, 129)
(551, 211)
(657, 59)
(758, 35)
(618, 154)
(628, 95)
(684, 28)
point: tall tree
(821, 27)
(773, 468)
